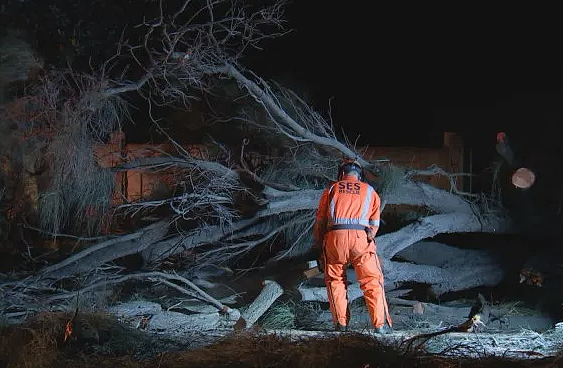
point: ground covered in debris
(39, 343)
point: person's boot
(385, 329)
(340, 328)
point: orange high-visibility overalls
(346, 209)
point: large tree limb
(107, 251)
(464, 219)
(432, 253)
(442, 279)
(427, 227)
(422, 194)
(152, 247)
(445, 267)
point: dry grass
(39, 343)
(80, 190)
(280, 316)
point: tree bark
(269, 294)
(443, 279)
(416, 193)
(107, 251)
(319, 294)
(427, 227)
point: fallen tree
(187, 57)
(443, 267)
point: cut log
(269, 294)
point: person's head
(350, 167)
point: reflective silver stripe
(384, 299)
(367, 201)
(363, 220)
(374, 222)
(350, 221)
(332, 214)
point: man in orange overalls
(344, 232)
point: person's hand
(370, 234)
(318, 254)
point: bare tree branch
(126, 87)
(287, 124)
(156, 276)
(435, 170)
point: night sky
(396, 74)
(403, 75)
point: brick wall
(449, 158)
(140, 184)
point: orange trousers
(342, 247)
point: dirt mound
(39, 343)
